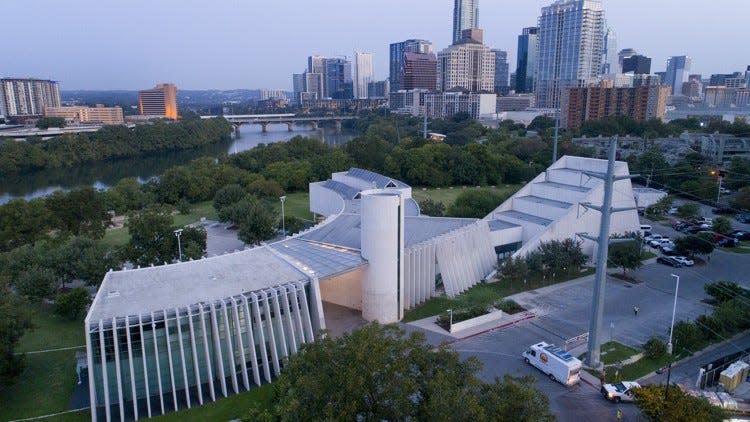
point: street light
(674, 310)
(178, 233)
(450, 322)
(283, 225)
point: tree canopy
(679, 406)
(380, 373)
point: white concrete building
(469, 66)
(364, 74)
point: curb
(500, 327)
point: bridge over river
(288, 119)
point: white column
(271, 335)
(145, 367)
(290, 337)
(262, 337)
(251, 340)
(104, 371)
(121, 404)
(279, 320)
(130, 364)
(194, 348)
(217, 349)
(297, 313)
(230, 346)
(241, 343)
(207, 351)
(182, 356)
(316, 305)
(90, 363)
(158, 364)
(309, 334)
(171, 362)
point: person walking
(635, 310)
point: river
(102, 175)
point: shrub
(72, 304)
(444, 319)
(509, 306)
(654, 348)
(687, 338)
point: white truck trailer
(558, 364)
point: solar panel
(560, 353)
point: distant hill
(184, 97)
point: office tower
(27, 97)
(314, 84)
(298, 84)
(513, 81)
(640, 65)
(725, 79)
(338, 79)
(678, 68)
(397, 51)
(571, 42)
(624, 54)
(693, 88)
(378, 89)
(528, 54)
(442, 105)
(363, 73)
(600, 102)
(467, 65)
(272, 94)
(747, 77)
(502, 70)
(159, 101)
(419, 71)
(465, 16)
(610, 59)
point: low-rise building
(441, 105)
(721, 149)
(98, 114)
(518, 102)
(599, 102)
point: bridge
(288, 119)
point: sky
(231, 44)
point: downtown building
(421, 52)
(98, 114)
(600, 102)
(571, 46)
(502, 72)
(444, 105)
(468, 65)
(161, 101)
(637, 64)
(364, 74)
(678, 70)
(27, 98)
(465, 16)
(528, 54)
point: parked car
(693, 229)
(725, 191)
(668, 260)
(740, 235)
(683, 227)
(649, 239)
(668, 245)
(672, 211)
(668, 251)
(728, 242)
(656, 243)
(743, 217)
(723, 211)
(685, 261)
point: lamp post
(178, 233)
(283, 224)
(450, 322)
(674, 310)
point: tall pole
(178, 233)
(557, 133)
(283, 223)
(424, 130)
(718, 193)
(674, 311)
(595, 328)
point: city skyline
(221, 45)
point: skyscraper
(571, 43)
(678, 69)
(465, 16)
(528, 54)
(640, 65)
(502, 71)
(609, 56)
(397, 51)
(27, 97)
(468, 65)
(159, 101)
(338, 79)
(419, 71)
(363, 73)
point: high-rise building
(747, 77)
(603, 101)
(98, 114)
(378, 89)
(27, 97)
(640, 65)
(624, 54)
(646, 80)
(363, 74)
(726, 79)
(159, 101)
(610, 59)
(317, 65)
(465, 16)
(571, 42)
(678, 69)
(468, 65)
(419, 71)
(441, 105)
(272, 94)
(397, 51)
(528, 54)
(502, 85)
(338, 79)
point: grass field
(613, 352)
(48, 381)
(448, 195)
(226, 409)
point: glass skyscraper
(465, 16)
(678, 69)
(571, 43)
(397, 60)
(528, 53)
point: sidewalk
(429, 325)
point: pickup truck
(622, 391)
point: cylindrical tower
(383, 247)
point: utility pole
(425, 121)
(603, 241)
(557, 133)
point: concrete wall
(324, 201)
(344, 290)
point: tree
(36, 283)
(627, 256)
(562, 257)
(724, 291)
(23, 222)
(81, 258)
(380, 373)
(79, 212)
(48, 122)
(700, 244)
(722, 225)
(228, 195)
(660, 207)
(293, 224)
(128, 195)
(679, 406)
(254, 219)
(476, 203)
(72, 304)
(14, 321)
(153, 240)
(688, 210)
(742, 200)
(431, 208)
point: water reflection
(104, 174)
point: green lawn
(197, 211)
(613, 352)
(479, 295)
(296, 204)
(48, 381)
(226, 409)
(448, 195)
(637, 369)
(742, 248)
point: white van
(645, 230)
(558, 364)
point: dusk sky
(225, 44)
